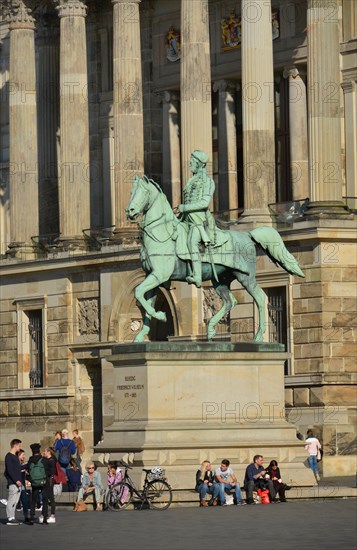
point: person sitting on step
(205, 484)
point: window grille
(36, 348)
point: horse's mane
(165, 202)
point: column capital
(71, 8)
(20, 16)
(168, 96)
(225, 86)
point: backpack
(37, 472)
(64, 456)
(59, 476)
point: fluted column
(227, 146)
(350, 96)
(324, 123)
(171, 162)
(128, 103)
(298, 134)
(196, 110)
(74, 122)
(47, 30)
(258, 111)
(24, 222)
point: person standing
(65, 450)
(14, 481)
(313, 445)
(39, 472)
(24, 499)
(80, 448)
(47, 491)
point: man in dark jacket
(14, 483)
(40, 472)
(255, 478)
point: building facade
(93, 92)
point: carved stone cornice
(71, 8)
(126, 1)
(225, 86)
(20, 16)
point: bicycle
(156, 491)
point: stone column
(258, 111)
(24, 219)
(324, 122)
(227, 146)
(48, 117)
(74, 196)
(171, 162)
(350, 96)
(298, 133)
(128, 103)
(196, 110)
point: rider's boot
(196, 278)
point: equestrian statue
(192, 248)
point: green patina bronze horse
(165, 256)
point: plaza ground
(316, 524)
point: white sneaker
(3, 501)
(51, 519)
(40, 519)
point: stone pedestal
(176, 404)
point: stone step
(189, 497)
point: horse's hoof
(258, 337)
(138, 338)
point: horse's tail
(269, 239)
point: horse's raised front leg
(229, 302)
(147, 318)
(259, 297)
(151, 282)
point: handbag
(80, 506)
(319, 455)
(264, 496)
(57, 489)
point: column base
(76, 243)
(327, 209)
(21, 251)
(256, 217)
(126, 235)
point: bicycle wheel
(119, 497)
(159, 494)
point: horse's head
(140, 198)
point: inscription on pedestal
(130, 395)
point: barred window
(36, 348)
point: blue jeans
(226, 487)
(312, 460)
(203, 489)
(24, 501)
